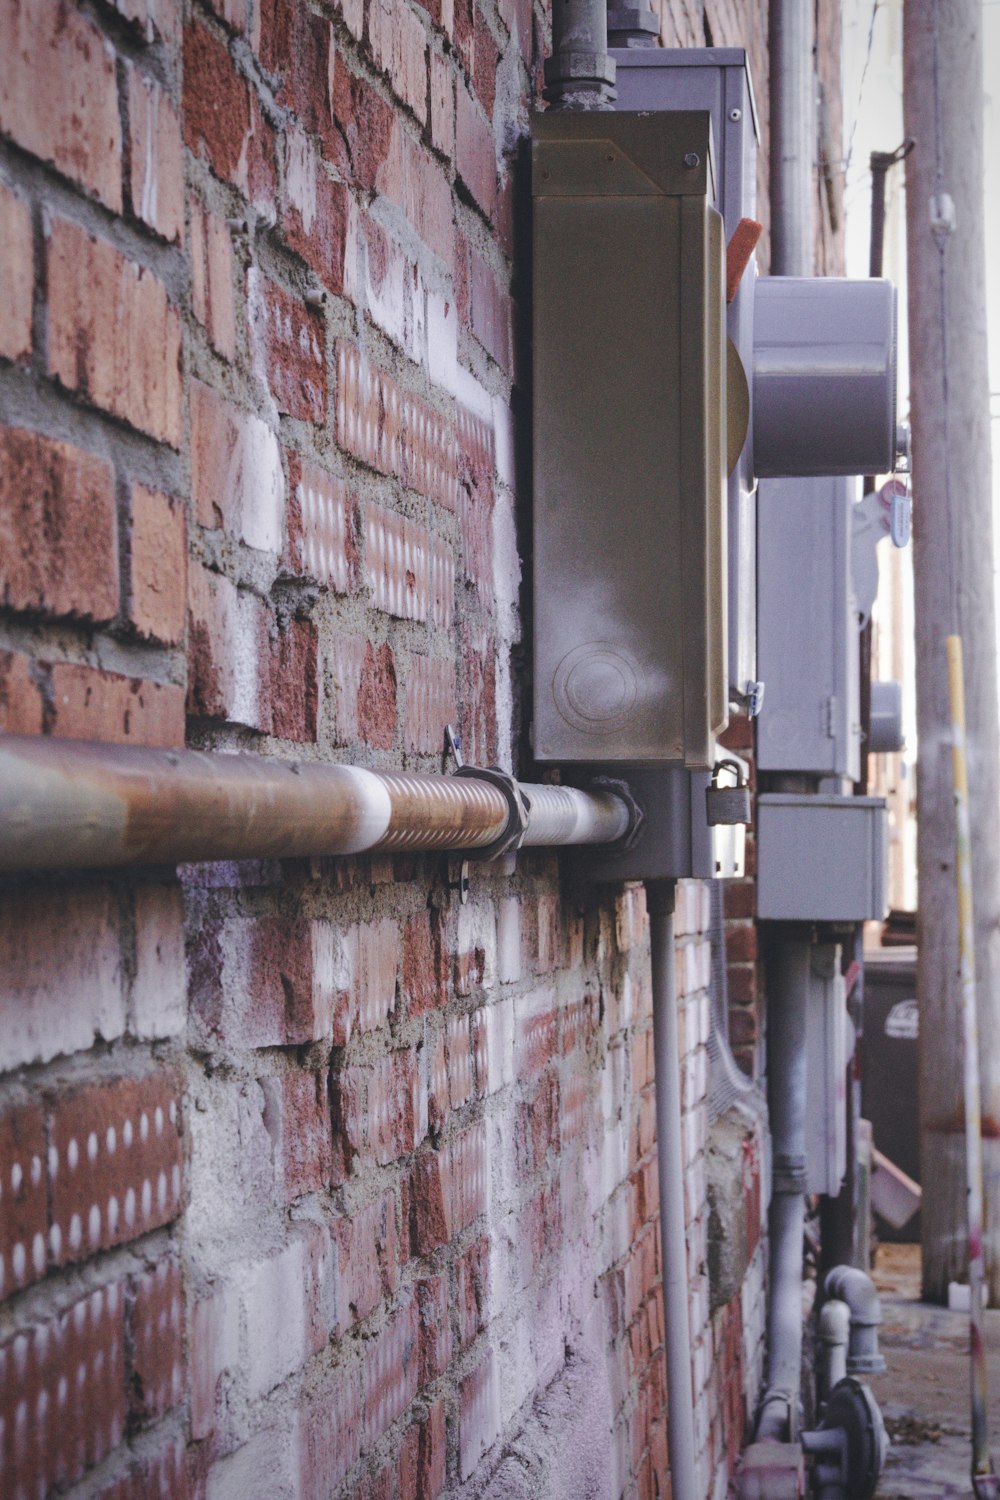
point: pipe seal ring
(636, 816)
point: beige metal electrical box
(629, 441)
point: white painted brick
(509, 940)
(499, 1045)
(58, 996)
(272, 1293)
(260, 1470)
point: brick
(158, 566)
(282, 1297)
(741, 943)
(376, 705)
(59, 95)
(327, 1433)
(485, 64)
(319, 519)
(423, 1475)
(113, 336)
(23, 1197)
(114, 1164)
(399, 49)
(447, 1190)
(68, 1373)
(298, 46)
(20, 695)
(260, 1469)
(159, 993)
(435, 1326)
(442, 105)
(214, 1344)
(237, 481)
(58, 529)
(368, 1259)
(157, 158)
(295, 665)
(316, 209)
(297, 1117)
(212, 273)
(430, 703)
(393, 431)
(232, 12)
(342, 668)
(475, 152)
(228, 652)
(491, 322)
(155, 1324)
(411, 572)
(364, 963)
(740, 898)
(88, 704)
(17, 259)
(425, 963)
(222, 118)
(366, 132)
(58, 998)
(479, 1415)
(473, 1280)
(392, 1120)
(291, 338)
(478, 695)
(391, 1371)
(261, 982)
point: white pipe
(670, 1166)
(793, 137)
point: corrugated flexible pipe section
(67, 804)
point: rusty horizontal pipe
(70, 804)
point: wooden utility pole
(953, 593)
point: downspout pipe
(579, 75)
(793, 136)
(69, 804)
(788, 978)
(670, 1168)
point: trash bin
(889, 1067)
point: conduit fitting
(511, 836)
(633, 25)
(833, 1331)
(636, 816)
(849, 1284)
(579, 75)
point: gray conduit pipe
(793, 136)
(851, 1285)
(579, 75)
(69, 804)
(788, 978)
(670, 1167)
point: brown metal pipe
(67, 804)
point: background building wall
(314, 1181)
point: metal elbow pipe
(834, 1330)
(851, 1285)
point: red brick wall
(313, 1182)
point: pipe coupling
(789, 1174)
(512, 834)
(636, 816)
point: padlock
(727, 804)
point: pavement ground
(924, 1393)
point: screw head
(692, 159)
(735, 114)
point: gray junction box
(807, 628)
(717, 79)
(820, 858)
(629, 444)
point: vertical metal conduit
(670, 1168)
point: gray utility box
(820, 858)
(717, 79)
(675, 841)
(807, 628)
(629, 441)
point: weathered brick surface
(114, 336)
(258, 268)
